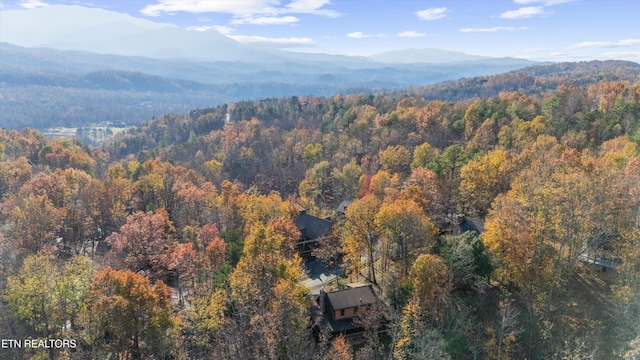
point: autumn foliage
(177, 239)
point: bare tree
(504, 334)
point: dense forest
(176, 239)
(124, 98)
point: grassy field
(89, 135)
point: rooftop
(347, 298)
(311, 227)
(472, 224)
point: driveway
(318, 274)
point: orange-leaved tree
(128, 317)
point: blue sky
(555, 30)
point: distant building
(312, 230)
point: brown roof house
(337, 309)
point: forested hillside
(531, 80)
(43, 88)
(176, 240)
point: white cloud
(273, 42)
(534, 50)
(543, 2)
(310, 7)
(224, 30)
(361, 35)
(494, 29)
(358, 35)
(262, 12)
(411, 34)
(201, 28)
(525, 12)
(604, 44)
(592, 44)
(432, 13)
(266, 20)
(238, 7)
(32, 4)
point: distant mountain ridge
(431, 55)
(37, 90)
(43, 87)
(109, 66)
(108, 32)
(17, 58)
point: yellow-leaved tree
(407, 233)
(361, 237)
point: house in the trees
(343, 304)
(601, 257)
(458, 224)
(336, 310)
(312, 230)
(601, 265)
(471, 224)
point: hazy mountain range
(108, 66)
(107, 32)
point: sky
(550, 30)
